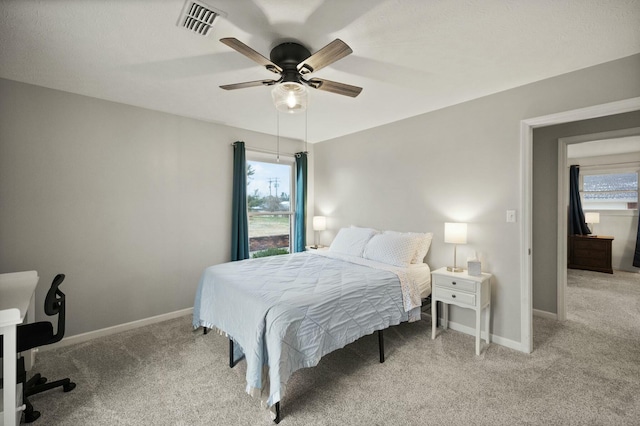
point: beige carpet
(585, 371)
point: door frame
(563, 203)
(526, 201)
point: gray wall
(131, 204)
(545, 203)
(460, 163)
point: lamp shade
(319, 223)
(455, 233)
(592, 217)
(289, 97)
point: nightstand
(319, 248)
(464, 290)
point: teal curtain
(239, 221)
(636, 254)
(577, 225)
(300, 228)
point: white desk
(16, 296)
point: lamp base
(454, 269)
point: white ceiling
(410, 56)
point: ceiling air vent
(198, 17)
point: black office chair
(36, 334)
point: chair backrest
(54, 304)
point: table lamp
(592, 218)
(455, 233)
(319, 224)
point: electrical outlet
(511, 216)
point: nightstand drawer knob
(453, 282)
(453, 295)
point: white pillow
(422, 246)
(392, 248)
(351, 241)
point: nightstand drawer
(454, 296)
(455, 283)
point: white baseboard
(79, 338)
(502, 341)
(545, 314)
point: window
(609, 190)
(270, 204)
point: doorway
(619, 146)
(526, 205)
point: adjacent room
(319, 212)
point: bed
(284, 313)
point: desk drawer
(455, 283)
(454, 296)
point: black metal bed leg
(231, 363)
(205, 330)
(381, 344)
(277, 419)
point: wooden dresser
(590, 253)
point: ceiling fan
(294, 61)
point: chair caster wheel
(32, 416)
(69, 387)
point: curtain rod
(267, 151)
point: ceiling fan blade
(333, 51)
(249, 84)
(240, 47)
(334, 87)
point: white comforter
(286, 312)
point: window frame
(267, 157)
(609, 169)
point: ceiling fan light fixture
(290, 97)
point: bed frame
(233, 362)
(426, 305)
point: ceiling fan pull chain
(306, 128)
(278, 138)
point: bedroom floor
(583, 371)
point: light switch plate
(511, 216)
